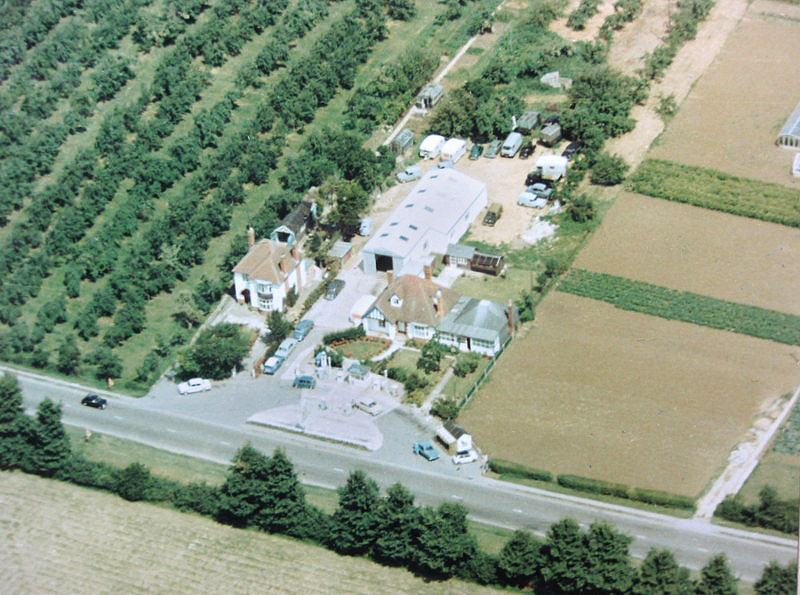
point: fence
(479, 380)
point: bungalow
(294, 225)
(268, 272)
(481, 326)
(410, 305)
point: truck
(194, 385)
(511, 145)
(550, 135)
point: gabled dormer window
(396, 301)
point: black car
(571, 149)
(550, 120)
(94, 401)
(526, 151)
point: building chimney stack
(251, 237)
(428, 272)
(390, 276)
(439, 303)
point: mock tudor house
(481, 326)
(411, 305)
(268, 272)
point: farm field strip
(685, 306)
(719, 191)
(137, 547)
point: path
(742, 461)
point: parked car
(409, 174)
(271, 365)
(334, 288)
(368, 406)
(94, 401)
(286, 347)
(571, 149)
(526, 151)
(528, 199)
(493, 149)
(462, 458)
(511, 145)
(194, 385)
(304, 382)
(493, 214)
(426, 449)
(541, 190)
(475, 152)
(444, 164)
(302, 329)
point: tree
(242, 494)
(563, 558)
(716, 578)
(354, 525)
(351, 200)
(14, 424)
(134, 482)
(398, 522)
(608, 566)
(466, 363)
(69, 356)
(50, 447)
(444, 546)
(279, 327)
(660, 574)
(284, 507)
(11, 407)
(401, 10)
(106, 363)
(777, 580)
(581, 209)
(519, 559)
(216, 352)
(431, 356)
(609, 170)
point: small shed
(528, 122)
(550, 135)
(490, 264)
(459, 255)
(357, 372)
(449, 433)
(429, 96)
(789, 136)
(403, 140)
(341, 251)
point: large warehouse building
(789, 136)
(437, 212)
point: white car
(369, 406)
(194, 385)
(462, 458)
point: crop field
(699, 250)
(57, 537)
(719, 191)
(671, 304)
(730, 120)
(626, 397)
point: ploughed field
(58, 537)
(693, 249)
(626, 397)
(732, 117)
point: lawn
(363, 348)
(458, 386)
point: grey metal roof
(477, 319)
(339, 249)
(435, 205)
(460, 251)
(792, 125)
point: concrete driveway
(335, 314)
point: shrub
(504, 467)
(351, 334)
(134, 482)
(662, 498)
(90, 473)
(445, 408)
(466, 363)
(397, 373)
(594, 486)
(197, 497)
(609, 170)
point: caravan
(431, 146)
(453, 149)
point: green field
(719, 191)
(685, 306)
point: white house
(410, 305)
(481, 326)
(437, 212)
(267, 273)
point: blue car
(426, 449)
(302, 329)
(272, 364)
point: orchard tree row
(263, 493)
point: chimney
(251, 237)
(390, 276)
(293, 251)
(283, 264)
(438, 302)
(428, 272)
(510, 317)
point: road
(489, 501)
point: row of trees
(264, 493)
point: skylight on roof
(384, 235)
(404, 238)
(412, 226)
(393, 224)
(409, 205)
(429, 209)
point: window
(265, 303)
(264, 287)
(409, 205)
(396, 300)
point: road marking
(517, 510)
(171, 430)
(338, 469)
(702, 549)
(225, 443)
(117, 417)
(457, 497)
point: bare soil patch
(732, 117)
(780, 10)
(58, 537)
(626, 397)
(639, 37)
(693, 249)
(589, 32)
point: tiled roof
(263, 262)
(417, 295)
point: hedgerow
(638, 296)
(716, 190)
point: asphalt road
(490, 501)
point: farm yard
(731, 118)
(626, 397)
(693, 249)
(56, 534)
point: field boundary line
(736, 473)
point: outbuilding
(789, 136)
(429, 95)
(453, 149)
(431, 146)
